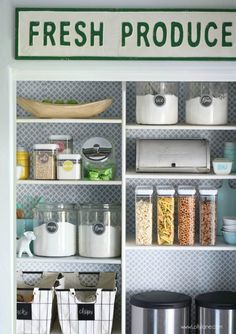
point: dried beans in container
(208, 215)
(186, 215)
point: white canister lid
(186, 190)
(21, 148)
(165, 190)
(48, 147)
(68, 157)
(207, 191)
(60, 137)
(144, 190)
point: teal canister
(230, 153)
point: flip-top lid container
(173, 155)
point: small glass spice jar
(23, 160)
(186, 215)
(144, 215)
(44, 161)
(208, 215)
(165, 215)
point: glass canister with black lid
(98, 159)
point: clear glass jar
(208, 215)
(230, 153)
(23, 160)
(207, 103)
(144, 215)
(99, 230)
(186, 215)
(68, 166)
(165, 215)
(44, 161)
(98, 160)
(156, 102)
(55, 226)
(64, 142)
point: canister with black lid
(161, 312)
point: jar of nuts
(44, 161)
(165, 215)
(143, 215)
(208, 215)
(186, 215)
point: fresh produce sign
(147, 34)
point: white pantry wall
(7, 66)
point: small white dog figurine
(23, 244)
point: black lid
(217, 300)
(161, 300)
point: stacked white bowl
(229, 230)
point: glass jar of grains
(208, 215)
(143, 215)
(186, 215)
(165, 215)
(44, 161)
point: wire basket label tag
(86, 312)
(24, 311)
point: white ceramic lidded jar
(207, 103)
(156, 102)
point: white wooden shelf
(70, 259)
(220, 246)
(131, 174)
(56, 328)
(226, 127)
(69, 182)
(71, 120)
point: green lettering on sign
(63, 25)
(83, 40)
(198, 35)
(162, 26)
(48, 31)
(209, 26)
(126, 31)
(32, 32)
(176, 27)
(98, 33)
(226, 34)
(142, 31)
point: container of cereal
(65, 143)
(144, 215)
(68, 166)
(44, 161)
(186, 215)
(165, 215)
(208, 215)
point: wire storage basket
(36, 305)
(86, 301)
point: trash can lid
(161, 300)
(217, 300)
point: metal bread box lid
(173, 155)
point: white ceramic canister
(68, 166)
(156, 103)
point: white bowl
(229, 229)
(229, 221)
(222, 166)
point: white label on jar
(99, 228)
(68, 165)
(206, 101)
(43, 157)
(52, 227)
(159, 100)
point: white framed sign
(125, 34)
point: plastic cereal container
(165, 215)
(44, 161)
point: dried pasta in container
(165, 215)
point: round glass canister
(55, 226)
(208, 215)
(156, 102)
(207, 103)
(98, 159)
(230, 153)
(99, 230)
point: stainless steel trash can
(216, 312)
(160, 312)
